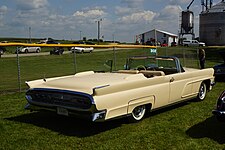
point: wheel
(38, 51)
(26, 50)
(138, 113)
(202, 92)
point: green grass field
(188, 125)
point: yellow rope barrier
(77, 45)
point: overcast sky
(67, 19)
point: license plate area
(62, 111)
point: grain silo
(187, 24)
(212, 25)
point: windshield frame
(154, 66)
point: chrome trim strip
(92, 109)
(99, 87)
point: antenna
(205, 4)
(211, 2)
(190, 5)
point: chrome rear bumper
(218, 112)
(92, 114)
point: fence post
(114, 57)
(184, 58)
(74, 61)
(18, 68)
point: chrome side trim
(99, 87)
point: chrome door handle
(172, 79)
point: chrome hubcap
(202, 92)
(138, 112)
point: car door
(180, 86)
(195, 43)
(30, 49)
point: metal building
(156, 36)
(212, 25)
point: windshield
(151, 62)
(167, 64)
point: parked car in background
(1, 53)
(219, 70)
(149, 43)
(193, 43)
(57, 51)
(76, 42)
(153, 43)
(4, 42)
(83, 42)
(164, 45)
(2, 50)
(52, 42)
(48, 41)
(219, 111)
(174, 44)
(147, 83)
(82, 49)
(89, 43)
(29, 50)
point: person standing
(201, 56)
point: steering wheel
(140, 67)
(151, 67)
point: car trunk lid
(86, 81)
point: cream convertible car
(148, 83)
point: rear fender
(139, 102)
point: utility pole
(113, 35)
(30, 33)
(80, 34)
(98, 24)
